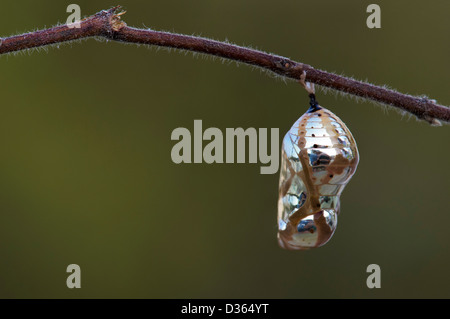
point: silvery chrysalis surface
(318, 158)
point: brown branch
(108, 24)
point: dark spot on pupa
(313, 135)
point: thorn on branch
(116, 22)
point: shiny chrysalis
(319, 157)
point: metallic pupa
(319, 157)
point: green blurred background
(86, 175)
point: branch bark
(108, 24)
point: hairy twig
(108, 24)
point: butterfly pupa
(319, 157)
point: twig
(108, 24)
